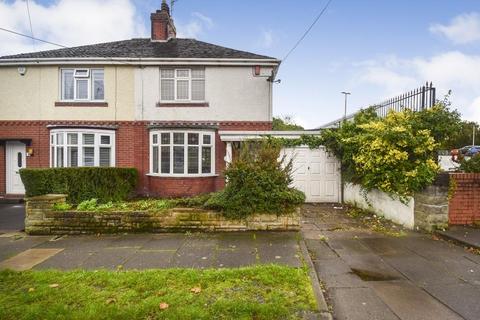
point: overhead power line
(308, 30)
(37, 39)
(31, 28)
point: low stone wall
(41, 219)
(426, 210)
(431, 205)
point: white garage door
(316, 173)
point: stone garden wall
(41, 219)
(426, 210)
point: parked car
(467, 151)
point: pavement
(468, 236)
(12, 217)
(150, 251)
(369, 275)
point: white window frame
(97, 145)
(185, 145)
(176, 79)
(77, 78)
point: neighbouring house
(158, 104)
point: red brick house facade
(155, 104)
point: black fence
(416, 100)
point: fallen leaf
(163, 305)
(31, 289)
(111, 300)
(54, 285)
(196, 290)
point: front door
(15, 160)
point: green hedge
(80, 184)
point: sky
(374, 49)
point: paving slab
(28, 259)
(194, 257)
(467, 235)
(150, 260)
(359, 304)
(409, 302)
(408, 277)
(68, 259)
(463, 298)
(109, 258)
(10, 246)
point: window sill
(184, 176)
(188, 104)
(89, 104)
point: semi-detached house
(159, 105)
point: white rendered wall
(233, 94)
(382, 204)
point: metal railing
(419, 99)
(416, 100)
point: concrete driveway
(12, 217)
(370, 275)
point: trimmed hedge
(80, 184)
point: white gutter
(138, 61)
(231, 136)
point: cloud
(450, 70)
(462, 29)
(267, 39)
(68, 22)
(194, 28)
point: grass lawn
(259, 292)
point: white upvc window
(82, 84)
(82, 148)
(182, 153)
(182, 85)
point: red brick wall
(2, 170)
(132, 150)
(464, 204)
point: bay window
(182, 153)
(82, 84)
(82, 148)
(182, 84)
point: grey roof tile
(144, 48)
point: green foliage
(88, 205)
(104, 184)
(442, 123)
(257, 182)
(471, 165)
(61, 206)
(285, 124)
(464, 136)
(394, 154)
(259, 292)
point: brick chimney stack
(163, 28)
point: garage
(315, 172)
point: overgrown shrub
(80, 184)
(257, 182)
(471, 165)
(395, 154)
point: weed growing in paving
(375, 222)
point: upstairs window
(82, 84)
(182, 84)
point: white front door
(15, 160)
(316, 173)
